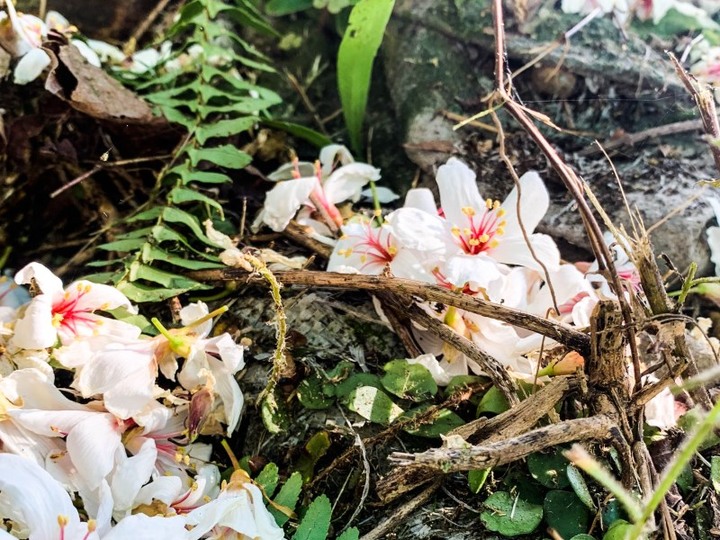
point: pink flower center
(375, 248)
(67, 317)
(480, 230)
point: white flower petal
(421, 231)
(34, 330)
(384, 195)
(92, 445)
(346, 183)
(37, 499)
(458, 190)
(48, 282)
(30, 66)
(143, 527)
(332, 155)
(283, 201)
(131, 474)
(421, 199)
(534, 204)
(514, 250)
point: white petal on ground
(30, 66)
(284, 200)
(346, 183)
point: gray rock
(439, 56)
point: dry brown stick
(297, 233)
(494, 369)
(569, 337)
(705, 101)
(503, 452)
(145, 24)
(520, 418)
(401, 326)
(397, 517)
(631, 139)
(569, 178)
(508, 424)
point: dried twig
(705, 100)
(569, 337)
(599, 427)
(390, 524)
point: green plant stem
(682, 458)
(687, 284)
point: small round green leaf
(549, 469)
(618, 530)
(611, 513)
(565, 513)
(344, 389)
(374, 405)
(408, 381)
(582, 537)
(510, 516)
(493, 402)
(310, 394)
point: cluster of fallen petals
(480, 247)
(22, 36)
(95, 415)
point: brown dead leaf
(89, 89)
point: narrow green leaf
(152, 253)
(224, 156)
(577, 482)
(98, 264)
(715, 473)
(189, 12)
(175, 215)
(349, 534)
(356, 56)
(129, 244)
(135, 233)
(166, 279)
(278, 8)
(316, 521)
(224, 128)
(268, 479)
(175, 116)
(163, 233)
(477, 478)
(248, 17)
(181, 195)
(310, 135)
(245, 106)
(143, 293)
(287, 496)
(147, 215)
(102, 277)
